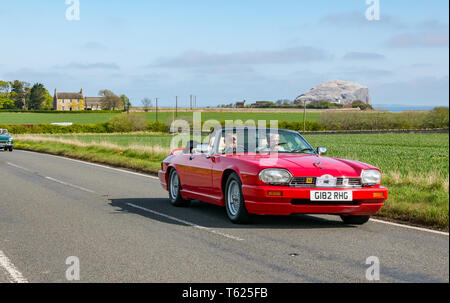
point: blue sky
(226, 51)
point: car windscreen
(249, 140)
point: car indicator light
(275, 193)
(378, 195)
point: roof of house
(69, 95)
(93, 99)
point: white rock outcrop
(336, 91)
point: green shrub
(57, 129)
(40, 111)
(158, 127)
(438, 118)
(361, 105)
(125, 123)
(297, 126)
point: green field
(93, 118)
(415, 166)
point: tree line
(110, 101)
(22, 95)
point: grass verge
(141, 158)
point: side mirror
(321, 150)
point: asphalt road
(122, 228)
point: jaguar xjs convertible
(271, 172)
(6, 140)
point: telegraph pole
(304, 115)
(190, 98)
(156, 109)
(176, 106)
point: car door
(197, 174)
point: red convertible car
(271, 172)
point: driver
(274, 143)
(230, 143)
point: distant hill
(336, 91)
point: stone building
(68, 101)
(93, 103)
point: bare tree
(146, 103)
(110, 101)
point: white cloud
(422, 39)
(363, 56)
(93, 45)
(285, 56)
(97, 65)
(357, 18)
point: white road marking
(411, 227)
(187, 223)
(11, 270)
(54, 180)
(70, 185)
(98, 165)
(19, 167)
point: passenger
(274, 143)
(230, 143)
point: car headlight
(275, 176)
(370, 177)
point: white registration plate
(338, 195)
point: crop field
(415, 166)
(93, 118)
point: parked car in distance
(6, 140)
(271, 172)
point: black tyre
(356, 220)
(5, 148)
(234, 200)
(174, 190)
(11, 149)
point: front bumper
(3, 145)
(296, 200)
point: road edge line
(410, 227)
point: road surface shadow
(213, 216)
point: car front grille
(303, 181)
(311, 182)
